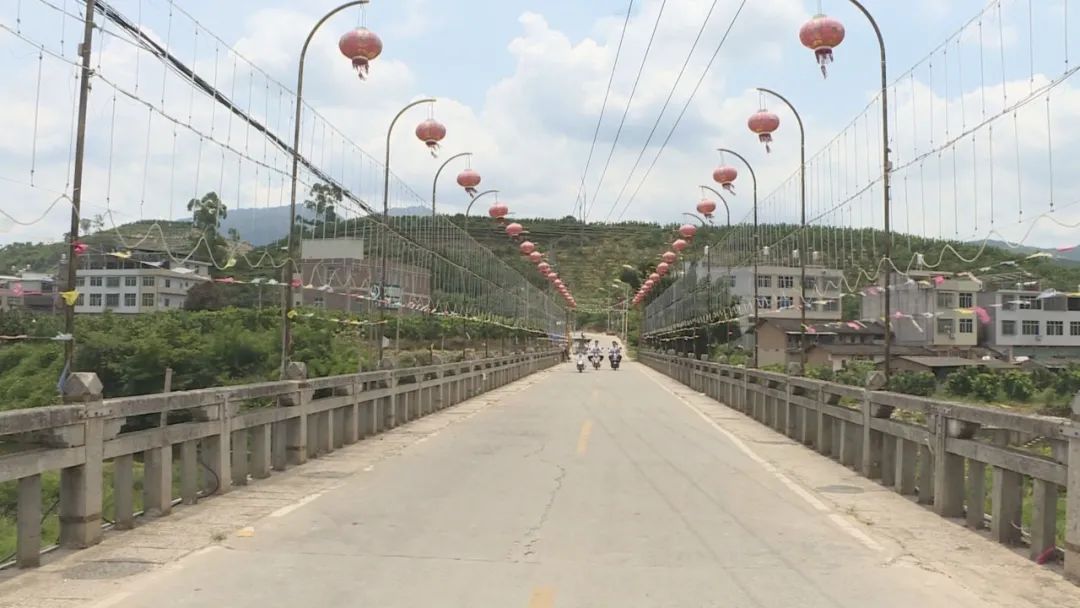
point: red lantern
(679, 245)
(527, 247)
(706, 207)
(515, 229)
(648, 284)
(725, 175)
(822, 34)
(543, 267)
(535, 257)
(688, 231)
(431, 132)
(654, 277)
(553, 276)
(498, 211)
(469, 180)
(662, 268)
(764, 122)
(669, 257)
(361, 46)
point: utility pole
(77, 179)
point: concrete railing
(938, 452)
(220, 437)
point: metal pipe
(474, 199)
(435, 182)
(77, 179)
(757, 243)
(802, 232)
(386, 223)
(886, 169)
(287, 295)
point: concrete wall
(1003, 308)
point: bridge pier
(81, 485)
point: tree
(205, 296)
(325, 198)
(207, 212)
(1018, 385)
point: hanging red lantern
(679, 245)
(515, 229)
(361, 46)
(764, 122)
(706, 207)
(527, 247)
(654, 277)
(688, 231)
(822, 34)
(431, 132)
(669, 257)
(648, 284)
(543, 267)
(553, 276)
(469, 180)
(498, 211)
(725, 175)
(535, 257)
(662, 268)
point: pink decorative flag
(1066, 248)
(984, 317)
(17, 290)
(938, 280)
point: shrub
(961, 382)
(922, 384)
(986, 386)
(1018, 385)
(855, 373)
(1068, 382)
(820, 372)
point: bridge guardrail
(951, 456)
(215, 435)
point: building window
(1030, 328)
(967, 326)
(129, 299)
(148, 300)
(1030, 303)
(320, 302)
(1055, 328)
(168, 283)
(832, 305)
(148, 281)
(167, 302)
(731, 281)
(95, 281)
(946, 326)
(765, 302)
(80, 281)
(112, 300)
(810, 283)
(764, 280)
(131, 281)
(1008, 328)
(112, 281)
(785, 302)
(1074, 328)
(95, 299)
(81, 300)
(785, 282)
(946, 299)
(967, 300)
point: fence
(939, 452)
(234, 434)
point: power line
(685, 106)
(663, 109)
(626, 110)
(603, 107)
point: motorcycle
(580, 363)
(596, 359)
(615, 361)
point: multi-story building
(779, 291)
(1026, 322)
(338, 271)
(144, 281)
(28, 291)
(937, 308)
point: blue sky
(520, 84)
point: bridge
(517, 481)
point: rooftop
(931, 361)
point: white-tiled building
(779, 291)
(1026, 318)
(148, 281)
(937, 307)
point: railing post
(217, 448)
(1072, 495)
(81, 485)
(296, 432)
(28, 521)
(948, 472)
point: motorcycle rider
(615, 353)
(594, 351)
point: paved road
(588, 490)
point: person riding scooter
(595, 356)
(580, 362)
(615, 355)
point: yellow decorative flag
(229, 264)
(293, 314)
(123, 255)
(70, 296)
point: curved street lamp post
(802, 221)
(723, 201)
(435, 182)
(757, 244)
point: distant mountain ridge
(265, 225)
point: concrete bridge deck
(560, 490)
